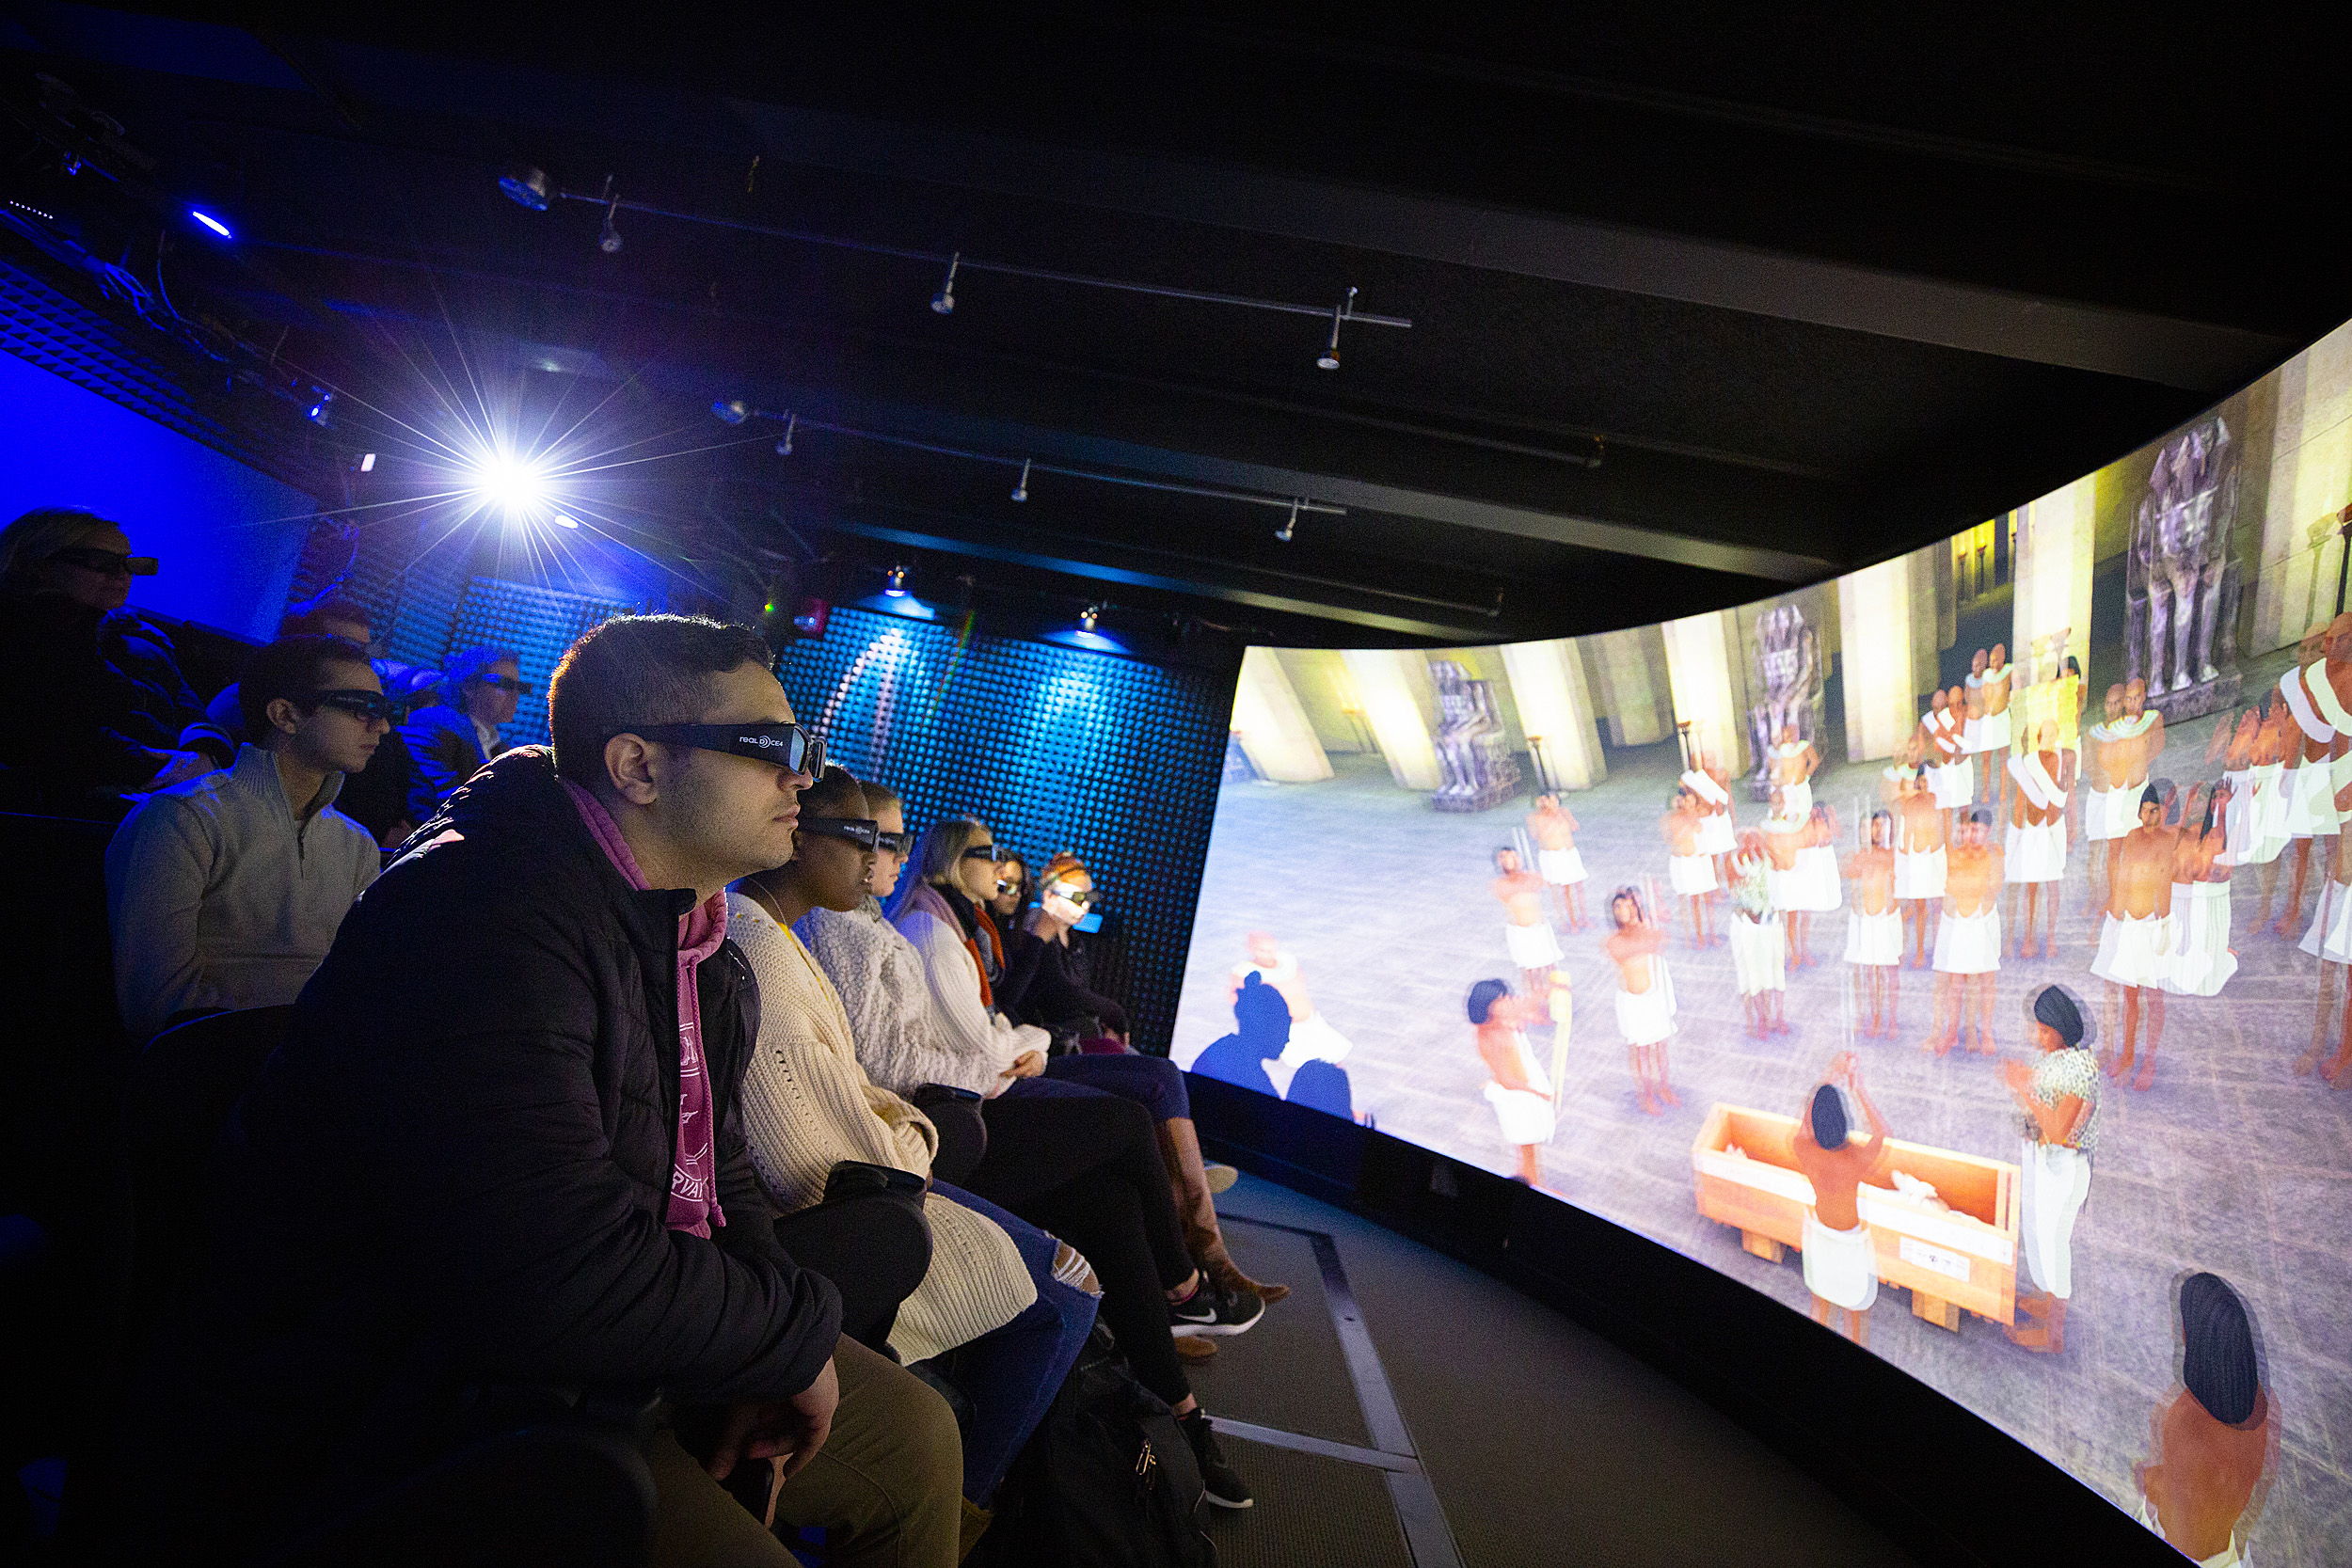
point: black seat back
(181, 1090)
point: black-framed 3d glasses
(895, 843)
(515, 684)
(990, 852)
(863, 832)
(1081, 896)
(110, 564)
(787, 746)
(359, 702)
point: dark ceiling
(1702, 302)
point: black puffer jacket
(455, 1172)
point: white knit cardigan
(808, 1104)
(905, 1035)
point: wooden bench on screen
(1964, 1258)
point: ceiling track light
(784, 443)
(608, 240)
(1345, 311)
(1290, 524)
(526, 186)
(530, 187)
(737, 411)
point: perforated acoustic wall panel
(537, 624)
(1053, 747)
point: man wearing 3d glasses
(226, 891)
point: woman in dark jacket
(62, 572)
(1045, 979)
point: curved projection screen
(1778, 858)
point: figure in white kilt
(2136, 937)
(1789, 770)
(2314, 741)
(1518, 1091)
(1759, 942)
(1950, 771)
(1552, 829)
(1874, 926)
(1646, 997)
(1990, 696)
(2034, 851)
(1313, 1037)
(1920, 865)
(1690, 868)
(1534, 949)
(2330, 941)
(1969, 943)
(1710, 785)
(2059, 1102)
(2127, 747)
(2202, 960)
(2326, 686)
(1840, 1263)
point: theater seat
(568, 1486)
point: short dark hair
(469, 664)
(638, 670)
(335, 611)
(2218, 1362)
(838, 788)
(1483, 997)
(293, 667)
(1829, 1118)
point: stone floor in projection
(2231, 1162)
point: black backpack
(1107, 1480)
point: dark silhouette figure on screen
(1262, 1026)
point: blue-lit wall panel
(1055, 748)
(227, 534)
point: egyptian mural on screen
(1957, 951)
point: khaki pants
(890, 1477)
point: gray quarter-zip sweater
(220, 896)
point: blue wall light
(211, 222)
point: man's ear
(282, 715)
(628, 768)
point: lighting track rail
(736, 411)
(531, 188)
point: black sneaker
(1213, 1309)
(1222, 1486)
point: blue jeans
(1154, 1082)
(1012, 1373)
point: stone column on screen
(1698, 664)
(1878, 670)
(2057, 537)
(1393, 686)
(1271, 723)
(1555, 710)
(2309, 454)
(1620, 663)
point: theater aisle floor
(1403, 1409)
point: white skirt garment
(1691, 875)
(1647, 1017)
(1813, 885)
(1715, 835)
(1561, 867)
(2034, 854)
(1840, 1266)
(1874, 939)
(1954, 783)
(2201, 960)
(1533, 947)
(1759, 955)
(2135, 950)
(2331, 934)
(1919, 874)
(1525, 1118)
(1969, 943)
